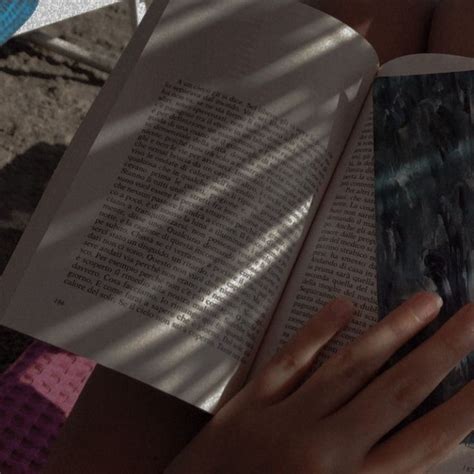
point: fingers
(288, 368)
(426, 441)
(399, 390)
(342, 376)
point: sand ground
(43, 99)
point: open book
(218, 194)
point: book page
(339, 255)
(169, 253)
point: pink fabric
(37, 393)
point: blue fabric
(13, 13)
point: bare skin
(398, 28)
(332, 422)
(393, 28)
(452, 28)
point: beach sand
(43, 99)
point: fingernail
(341, 309)
(426, 304)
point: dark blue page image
(424, 191)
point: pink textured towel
(37, 393)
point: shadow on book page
(424, 168)
(169, 251)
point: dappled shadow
(22, 182)
(12, 344)
(249, 246)
(79, 73)
(9, 239)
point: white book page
(169, 252)
(339, 255)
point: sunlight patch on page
(308, 32)
(208, 385)
(123, 126)
(293, 99)
(61, 229)
(298, 58)
(176, 27)
(145, 338)
(142, 339)
(81, 323)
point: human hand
(331, 422)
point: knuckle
(449, 348)
(410, 317)
(349, 366)
(401, 327)
(397, 330)
(285, 360)
(404, 394)
(437, 440)
(346, 357)
(469, 307)
(412, 313)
